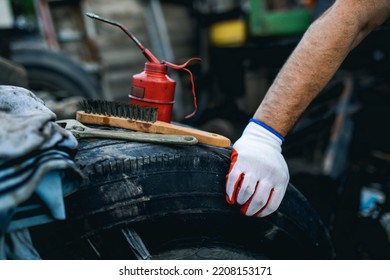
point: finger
(233, 185)
(233, 159)
(247, 189)
(233, 179)
(259, 200)
(245, 206)
(266, 209)
(274, 202)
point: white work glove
(258, 175)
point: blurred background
(226, 34)
(338, 153)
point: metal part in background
(335, 157)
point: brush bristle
(119, 109)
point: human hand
(258, 174)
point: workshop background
(338, 153)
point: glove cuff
(270, 129)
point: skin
(316, 59)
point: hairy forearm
(315, 60)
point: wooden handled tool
(153, 127)
(81, 131)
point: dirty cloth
(36, 168)
(35, 185)
(27, 125)
(18, 246)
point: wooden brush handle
(203, 137)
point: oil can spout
(147, 53)
(148, 91)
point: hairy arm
(316, 59)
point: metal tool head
(71, 124)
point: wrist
(268, 128)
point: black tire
(12, 74)
(173, 197)
(56, 74)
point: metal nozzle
(144, 50)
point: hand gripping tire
(174, 198)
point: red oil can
(153, 88)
